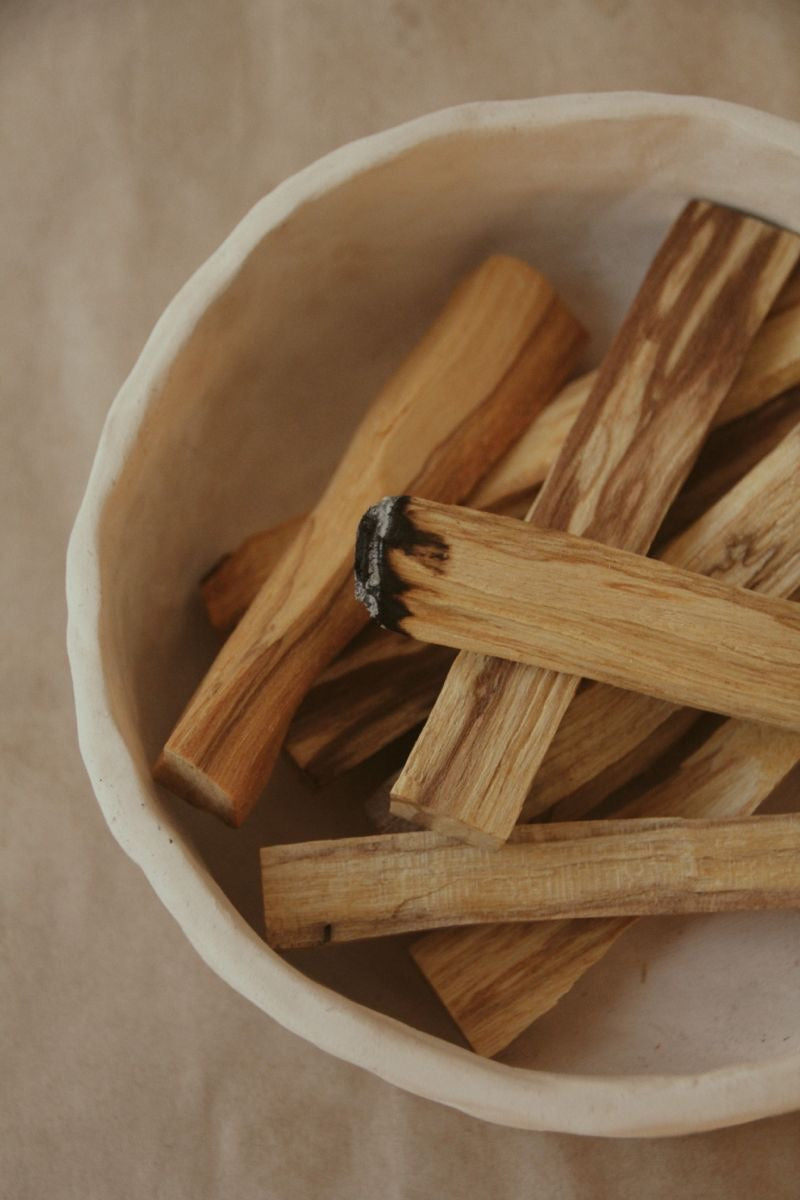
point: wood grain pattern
(500, 350)
(726, 457)
(660, 731)
(496, 980)
(338, 891)
(524, 468)
(769, 368)
(675, 357)
(750, 538)
(458, 577)
(384, 685)
(771, 365)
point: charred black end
(377, 586)
(386, 526)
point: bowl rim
(621, 1105)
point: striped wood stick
(495, 980)
(362, 887)
(494, 585)
(499, 351)
(676, 356)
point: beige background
(134, 136)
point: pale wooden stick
(750, 538)
(494, 585)
(338, 891)
(771, 364)
(499, 351)
(496, 980)
(674, 359)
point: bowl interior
(244, 428)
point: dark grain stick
(494, 585)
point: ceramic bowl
(243, 397)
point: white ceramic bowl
(232, 418)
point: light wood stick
(500, 350)
(674, 359)
(771, 364)
(232, 584)
(338, 891)
(384, 684)
(494, 585)
(496, 980)
(750, 538)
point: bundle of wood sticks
(517, 531)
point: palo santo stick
(497, 586)
(728, 454)
(338, 891)
(384, 684)
(750, 538)
(496, 980)
(233, 583)
(771, 364)
(499, 351)
(660, 732)
(670, 366)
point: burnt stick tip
(382, 527)
(385, 527)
